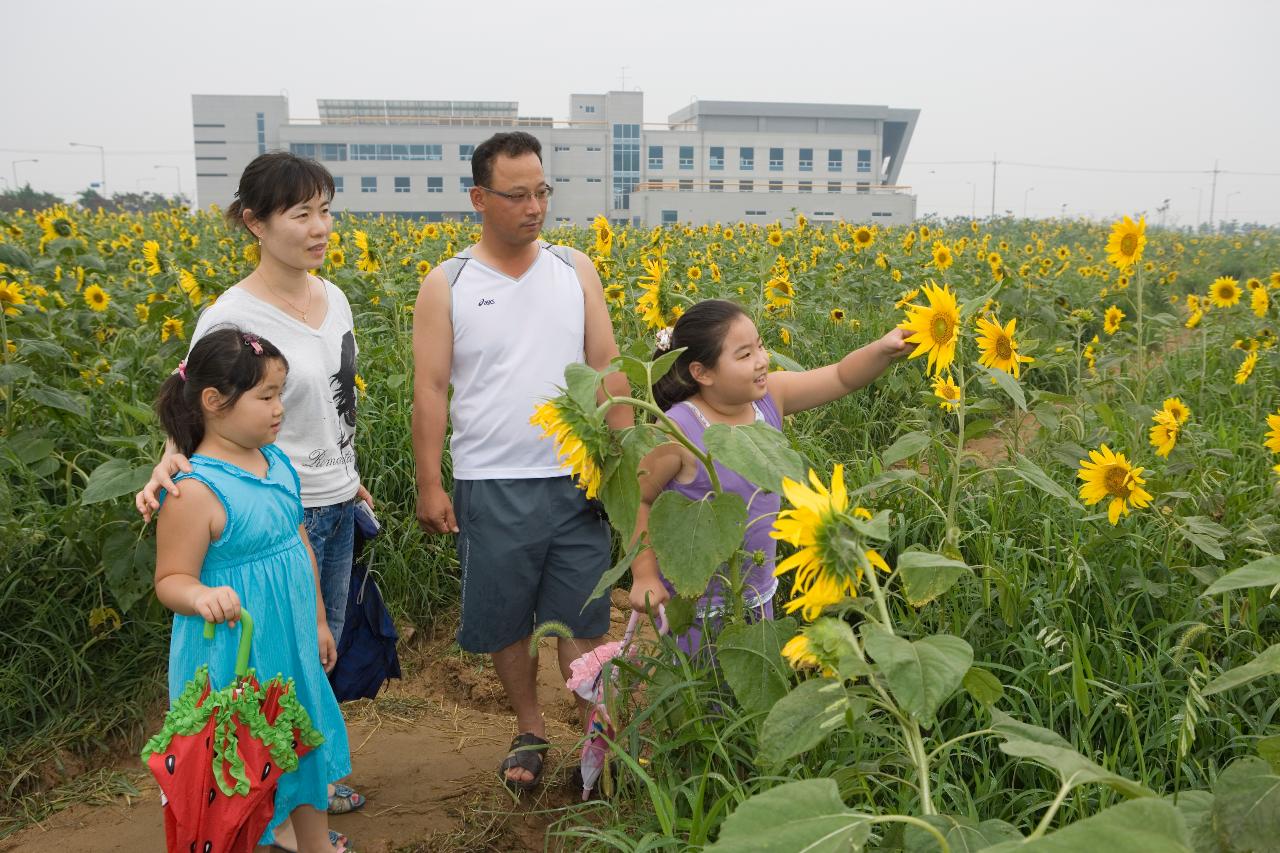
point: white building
(713, 161)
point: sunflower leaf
(756, 451)
(1007, 384)
(807, 815)
(921, 674)
(692, 539)
(962, 834)
(1138, 826)
(1265, 663)
(1245, 813)
(1262, 572)
(1032, 473)
(905, 447)
(14, 257)
(609, 578)
(114, 478)
(801, 720)
(581, 382)
(926, 575)
(1049, 749)
(751, 657)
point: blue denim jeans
(331, 530)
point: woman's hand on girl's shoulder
(147, 501)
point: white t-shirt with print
(319, 427)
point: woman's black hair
(227, 359)
(700, 331)
(276, 181)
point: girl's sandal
(344, 800)
(337, 839)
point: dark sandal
(345, 800)
(526, 754)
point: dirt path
(425, 752)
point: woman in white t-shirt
(283, 202)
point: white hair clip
(664, 339)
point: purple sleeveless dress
(762, 508)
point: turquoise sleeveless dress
(261, 556)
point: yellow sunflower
(151, 257)
(423, 267)
(779, 293)
(649, 304)
(11, 297)
(337, 258)
(942, 257)
(1164, 432)
(604, 236)
(774, 238)
(1128, 239)
(837, 315)
(1259, 302)
(172, 328)
(998, 348)
(1246, 368)
(798, 653)
(1109, 475)
(821, 577)
(1111, 320)
(907, 297)
(1180, 410)
(96, 298)
(935, 327)
(187, 282)
(142, 311)
(1224, 292)
(863, 237)
(946, 390)
(1272, 441)
(570, 446)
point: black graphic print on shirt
(343, 384)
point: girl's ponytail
(700, 332)
(178, 408)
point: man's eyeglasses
(541, 194)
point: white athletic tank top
(512, 339)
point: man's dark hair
(276, 181)
(508, 145)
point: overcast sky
(1166, 87)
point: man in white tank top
(500, 323)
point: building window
(211, 158)
(211, 142)
(465, 152)
(746, 159)
(588, 108)
(211, 174)
(717, 157)
(402, 185)
(757, 213)
(881, 213)
(775, 186)
(655, 156)
(369, 184)
(835, 160)
(435, 185)
(208, 125)
(626, 163)
(593, 180)
(560, 149)
(746, 186)
(669, 217)
(833, 186)
(864, 159)
(262, 133)
(306, 150)
(717, 186)
(806, 186)
(594, 148)
(775, 159)
(864, 187)
(333, 151)
(806, 159)
(686, 185)
(686, 156)
(435, 152)
(337, 184)
(465, 183)
(562, 180)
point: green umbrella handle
(246, 635)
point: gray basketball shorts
(531, 551)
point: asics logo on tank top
(484, 302)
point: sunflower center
(62, 227)
(1129, 244)
(1004, 348)
(1117, 481)
(1224, 291)
(942, 328)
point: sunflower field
(1027, 575)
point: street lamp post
(102, 154)
(177, 176)
(14, 165)
(1026, 193)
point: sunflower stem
(672, 429)
(959, 452)
(1142, 350)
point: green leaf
(130, 565)
(620, 484)
(1047, 748)
(751, 658)
(581, 382)
(785, 362)
(1245, 814)
(1204, 534)
(692, 539)
(56, 399)
(926, 575)
(807, 815)
(11, 255)
(664, 363)
(634, 369)
(114, 478)
(1007, 384)
(801, 720)
(1033, 474)
(758, 452)
(1266, 663)
(983, 686)
(28, 447)
(1261, 572)
(904, 448)
(1139, 826)
(681, 613)
(921, 674)
(1195, 806)
(1269, 750)
(962, 834)
(11, 373)
(609, 578)
(978, 428)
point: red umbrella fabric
(220, 754)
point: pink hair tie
(182, 370)
(252, 340)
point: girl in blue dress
(237, 537)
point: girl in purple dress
(723, 377)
